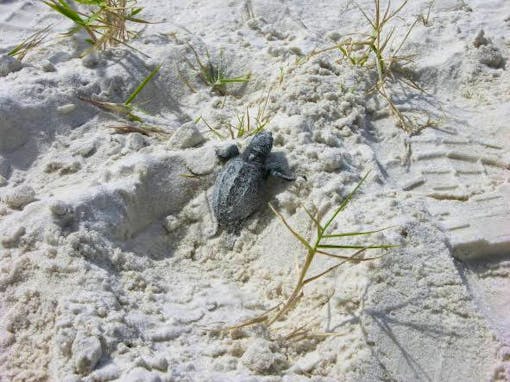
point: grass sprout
(125, 109)
(390, 65)
(324, 244)
(214, 73)
(104, 21)
(30, 43)
(245, 124)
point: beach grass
(30, 43)
(104, 21)
(214, 72)
(380, 49)
(244, 124)
(324, 244)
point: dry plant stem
(119, 109)
(301, 331)
(127, 129)
(257, 320)
(144, 130)
(297, 292)
(115, 15)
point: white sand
(108, 270)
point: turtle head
(259, 148)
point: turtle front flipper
(227, 152)
(279, 170)
(280, 174)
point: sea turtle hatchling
(240, 186)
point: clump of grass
(214, 73)
(245, 124)
(390, 65)
(125, 109)
(30, 43)
(380, 50)
(104, 21)
(320, 246)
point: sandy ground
(109, 266)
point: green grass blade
(99, 3)
(296, 235)
(65, 10)
(136, 11)
(16, 49)
(345, 202)
(365, 15)
(142, 85)
(212, 129)
(342, 246)
(137, 20)
(388, 38)
(354, 233)
(405, 37)
(314, 219)
(240, 79)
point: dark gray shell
(238, 192)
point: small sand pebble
(47, 66)
(186, 136)
(67, 108)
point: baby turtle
(239, 188)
